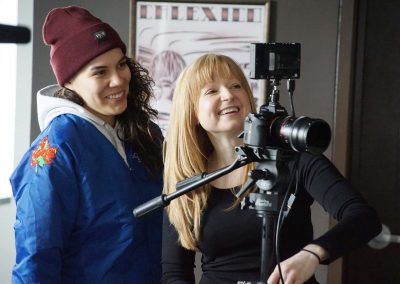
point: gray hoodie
(49, 107)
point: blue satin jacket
(74, 224)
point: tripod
(272, 179)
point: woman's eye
(99, 73)
(236, 86)
(210, 92)
(122, 64)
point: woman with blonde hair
(210, 103)
(189, 149)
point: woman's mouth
(115, 96)
(228, 110)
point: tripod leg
(267, 244)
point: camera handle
(272, 179)
(245, 155)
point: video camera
(272, 126)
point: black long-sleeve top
(230, 240)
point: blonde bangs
(213, 66)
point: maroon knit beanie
(76, 37)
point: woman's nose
(116, 79)
(226, 94)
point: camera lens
(303, 133)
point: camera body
(272, 127)
(279, 130)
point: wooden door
(375, 151)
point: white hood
(49, 107)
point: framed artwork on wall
(166, 36)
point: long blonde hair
(187, 145)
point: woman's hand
(300, 267)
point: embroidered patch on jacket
(43, 154)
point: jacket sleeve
(45, 190)
(357, 223)
(177, 262)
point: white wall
(7, 213)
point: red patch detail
(43, 154)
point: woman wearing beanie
(98, 156)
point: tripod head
(271, 177)
(244, 155)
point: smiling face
(223, 106)
(104, 85)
